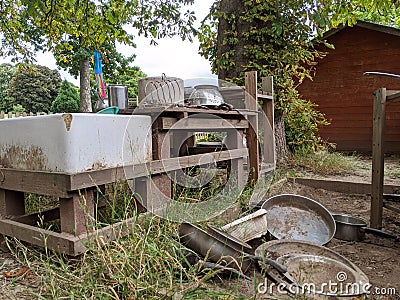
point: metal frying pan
(299, 218)
(219, 247)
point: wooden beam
(33, 218)
(269, 131)
(11, 203)
(35, 182)
(378, 135)
(391, 207)
(392, 96)
(77, 212)
(92, 178)
(36, 236)
(197, 123)
(268, 86)
(341, 186)
(252, 141)
(251, 90)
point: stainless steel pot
(118, 96)
(351, 228)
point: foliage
(6, 74)
(129, 76)
(34, 87)
(72, 30)
(301, 124)
(67, 100)
(18, 108)
(276, 38)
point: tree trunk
(280, 137)
(84, 72)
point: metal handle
(281, 268)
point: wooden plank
(35, 182)
(378, 157)
(341, 186)
(268, 86)
(392, 96)
(42, 216)
(265, 97)
(197, 123)
(251, 90)
(252, 141)
(391, 207)
(234, 140)
(92, 178)
(62, 243)
(269, 129)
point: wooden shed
(345, 95)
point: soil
(377, 257)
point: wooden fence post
(251, 103)
(378, 157)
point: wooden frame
(381, 97)
(76, 191)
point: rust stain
(67, 120)
(25, 158)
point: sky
(171, 56)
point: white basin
(74, 143)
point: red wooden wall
(345, 95)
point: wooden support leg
(253, 146)
(234, 140)
(76, 213)
(378, 157)
(11, 203)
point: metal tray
(249, 227)
(285, 248)
(300, 218)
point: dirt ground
(377, 257)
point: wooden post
(251, 103)
(268, 109)
(234, 140)
(250, 97)
(378, 157)
(76, 213)
(11, 203)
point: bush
(67, 100)
(301, 125)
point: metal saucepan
(299, 218)
(351, 228)
(219, 247)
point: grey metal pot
(353, 229)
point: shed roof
(367, 25)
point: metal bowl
(206, 95)
(300, 218)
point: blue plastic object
(109, 110)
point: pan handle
(281, 268)
(379, 232)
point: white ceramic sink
(73, 143)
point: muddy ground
(377, 257)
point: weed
(322, 162)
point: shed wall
(345, 95)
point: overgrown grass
(150, 263)
(322, 162)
